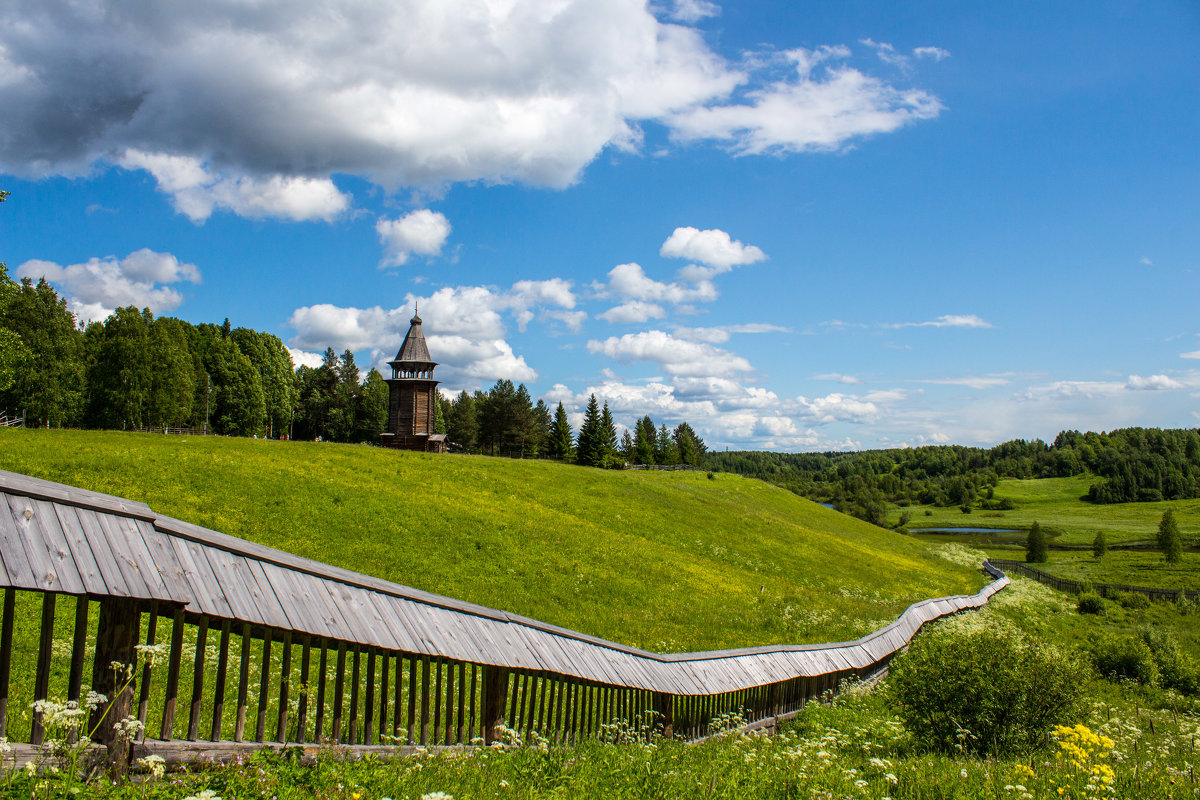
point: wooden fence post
(495, 686)
(664, 706)
(117, 633)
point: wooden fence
(1075, 587)
(261, 646)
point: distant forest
(135, 371)
(1131, 465)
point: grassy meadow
(1057, 504)
(1123, 741)
(670, 561)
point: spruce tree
(587, 449)
(1099, 546)
(643, 441)
(1036, 551)
(560, 434)
(608, 438)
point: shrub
(1176, 669)
(988, 690)
(1125, 658)
(1134, 600)
(1090, 603)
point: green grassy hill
(667, 561)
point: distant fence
(264, 647)
(1075, 587)
(666, 467)
(11, 422)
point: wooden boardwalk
(418, 666)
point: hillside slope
(666, 561)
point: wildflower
(204, 794)
(860, 783)
(94, 700)
(437, 796)
(962, 773)
(154, 764)
(129, 728)
(890, 778)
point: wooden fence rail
(1075, 587)
(259, 646)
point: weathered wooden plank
(168, 567)
(198, 680)
(32, 536)
(22, 572)
(294, 602)
(78, 649)
(148, 666)
(204, 572)
(62, 561)
(218, 712)
(385, 673)
(339, 686)
(266, 603)
(172, 691)
(356, 679)
(6, 637)
(239, 730)
(302, 701)
(285, 684)
(322, 666)
(424, 701)
(140, 534)
(41, 680)
(123, 554)
(264, 686)
(369, 702)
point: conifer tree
(665, 451)
(608, 438)
(1099, 546)
(1036, 551)
(588, 450)
(643, 441)
(560, 434)
(1169, 541)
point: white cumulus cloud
(677, 356)
(197, 189)
(422, 232)
(714, 248)
(95, 288)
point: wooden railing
(1075, 587)
(261, 648)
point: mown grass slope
(1058, 504)
(667, 561)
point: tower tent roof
(414, 347)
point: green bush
(1090, 603)
(1176, 669)
(1134, 600)
(1125, 658)
(987, 690)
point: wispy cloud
(944, 321)
(970, 381)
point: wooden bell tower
(412, 396)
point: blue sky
(797, 226)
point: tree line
(1130, 465)
(505, 421)
(135, 371)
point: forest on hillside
(1130, 465)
